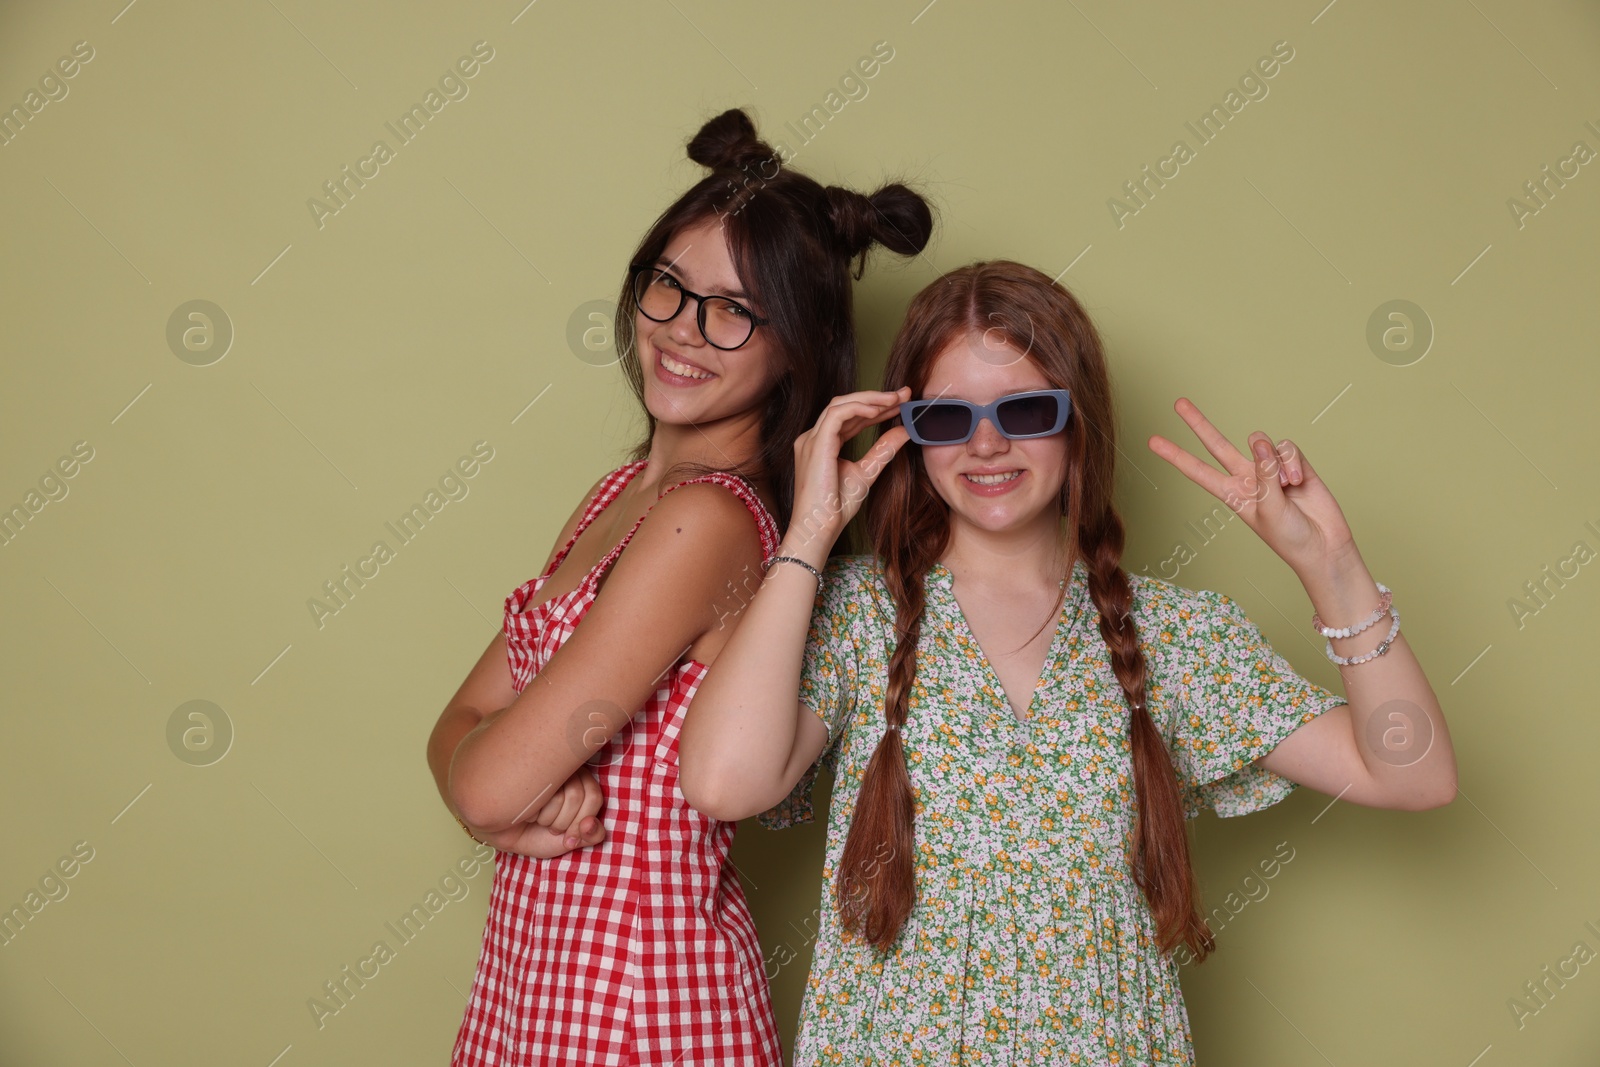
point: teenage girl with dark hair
(1017, 726)
(627, 939)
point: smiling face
(686, 379)
(992, 482)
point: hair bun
(894, 217)
(729, 141)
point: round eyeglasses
(948, 421)
(724, 322)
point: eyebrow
(738, 294)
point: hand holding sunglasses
(828, 488)
(948, 421)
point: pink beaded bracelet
(1385, 606)
(1351, 631)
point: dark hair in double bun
(793, 241)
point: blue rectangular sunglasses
(948, 421)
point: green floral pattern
(1030, 941)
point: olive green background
(436, 309)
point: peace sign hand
(829, 490)
(1274, 490)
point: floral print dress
(1030, 942)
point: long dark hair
(908, 524)
(793, 241)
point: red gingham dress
(639, 950)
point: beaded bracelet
(1350, 631)
(1385, 606)
(792, 559)
(1380, 650)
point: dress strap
(766, 525)
(610, 486)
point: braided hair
(908, 525)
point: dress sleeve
(1240, 698)
(827, 680)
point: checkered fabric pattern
(640, 950)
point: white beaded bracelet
(1384, 601)
(1380, 650)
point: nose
(684, 327)
(988, 441)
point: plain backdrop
(228, 458)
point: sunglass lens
(1029, 415)
(943, 422)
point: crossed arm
(658, 599)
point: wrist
(813, 548)
(1342, 568)
(814, 525)
(1344, 593)
(785, 561)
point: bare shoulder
(697, 536)
(710, 516)
(691, 544)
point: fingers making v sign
(1274, 489)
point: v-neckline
(942, 578)
(628, 470)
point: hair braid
(1159, 845)
(909, 528)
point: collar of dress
(940, 577)
(1076, 606)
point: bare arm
(487, 687)
(1363, 752)
(658, 599)
(1389, 747)
(747, 739)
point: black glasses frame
(700, 305)
(910, 409)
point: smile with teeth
(993, 479)
(683, 369)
